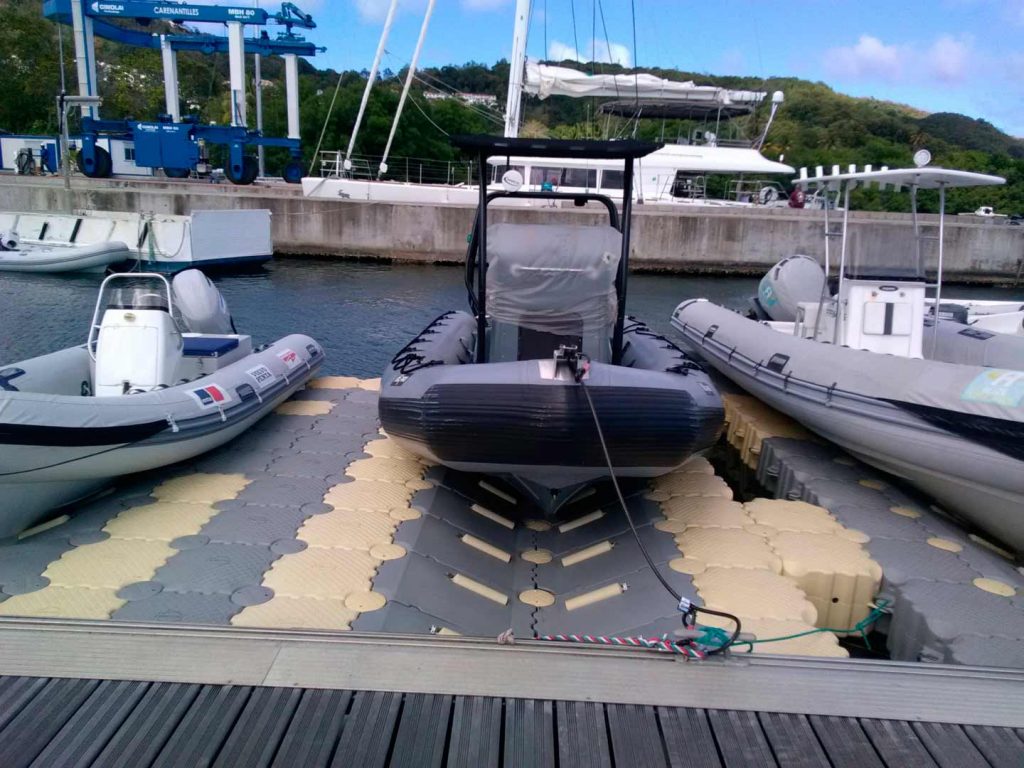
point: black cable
(74, 459)
(636, 72)
(575, 40)
(636, 534)
(546, 54)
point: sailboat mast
(517, 68)
(369, 82)
(405, 91)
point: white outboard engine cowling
(202, 308)
(791, 281)
(9, 241)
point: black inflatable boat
(504, 389)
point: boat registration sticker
(261, 375)
(211, 395)
(998, 387)
(289, 357)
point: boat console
(138, 344)
(883, 297)
(141, 344)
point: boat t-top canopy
(626, 149)
(890, 264)
(919, 178)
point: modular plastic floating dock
(314, 553)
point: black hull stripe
(78, 437)
(534, 425)
(1002, 435)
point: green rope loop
(713, 637)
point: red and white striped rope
(661, 644)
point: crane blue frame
(170, 142)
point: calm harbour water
(362, 313)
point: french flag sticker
(210, 395)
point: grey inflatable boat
(163, 377)
(507, 389)
(16, 256)
(940, 404)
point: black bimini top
(627, 149)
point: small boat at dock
(16, 256)
(547, 381)
(934, 401)
(162, 377)
(214, 240)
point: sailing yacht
(675, 174)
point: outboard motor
(200, 304)
(793, 280)
(9, 241)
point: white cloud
(597, 50)
(377, 10)
(870, 58)
(949, 59)
(483, 5)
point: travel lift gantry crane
(171, 143)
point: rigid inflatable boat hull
(524, 420)
(57, 449)
(983, 481)
(544, 430)
(64, 258)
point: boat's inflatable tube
(955, 430)
(527, 420)
(57, 443)
(968, 345)
(784, 286)
(64, 258)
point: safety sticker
(261, 375)
(211, 395)
(998, 387)
(289, 357)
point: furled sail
(544, 80)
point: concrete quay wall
(671, 238)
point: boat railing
(734, 143)
(411, 170)
(101, 305)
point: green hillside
(816, 125)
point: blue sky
(940, 55)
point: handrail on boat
(94, 327)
